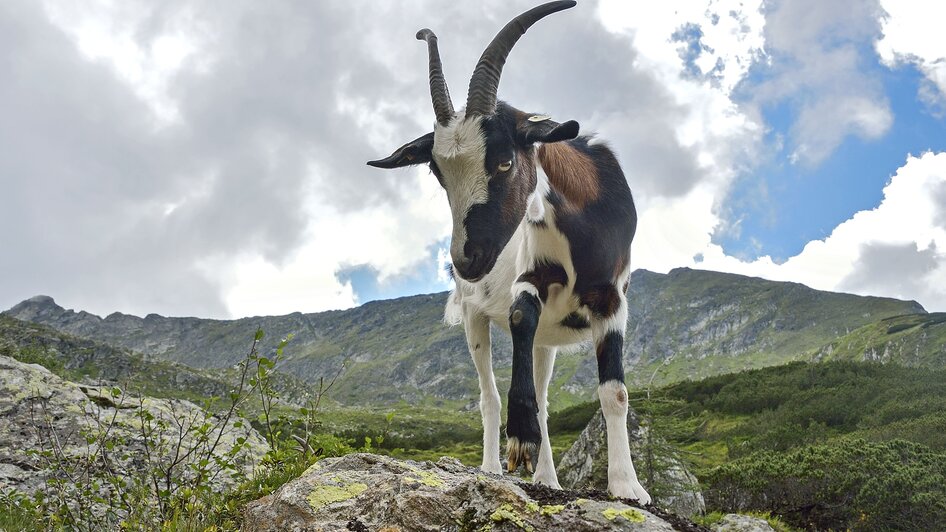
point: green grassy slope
(913, 340)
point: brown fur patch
(603, 301)
(571, 173)
(544, 275)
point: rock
(741, 523)
(371, 492)
(36, 406)
(585, 465)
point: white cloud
(874, 249)
(814, 62)
(913, 33)
(389, 239)
(256, 182)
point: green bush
(850, 483)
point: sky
(208, 158)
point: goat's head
(483, 156)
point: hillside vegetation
(912, 340)
(687, 324)
(830, 445)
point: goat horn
(481, 99)
(439, 94)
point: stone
(585, 465)
(371, 492)
(741, 523)
(36, 405)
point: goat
(543, 221)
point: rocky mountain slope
(685, 324)
(95, 363)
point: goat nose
(467, 266)
(461, 265)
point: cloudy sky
(207, 158)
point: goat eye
(505, 166)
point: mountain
(917, 340)
(685, 324)
(95, 363)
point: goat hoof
(521, 453)
(630, 490)
(522, 435)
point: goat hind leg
(543, 362)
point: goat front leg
(608, 325)
(476, 327)
(522, 424)
(543, 362)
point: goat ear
(541, 129)
(414, 152)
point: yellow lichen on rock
(327, 494)
(508, 513)
(552, 509)
(426, 478)
(630, 514)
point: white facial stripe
(460, 153)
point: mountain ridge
(683, 324)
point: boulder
(38, 407)
(378, 493)
(671, 485)
(741, 523)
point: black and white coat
(543, 221)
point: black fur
(599, 235)
(609, 351)
(575, 321)
(522, 409)
(543, 275)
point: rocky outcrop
(39, 410)
(672, 486)
(741, 523)
(370, 492)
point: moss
(630, 514)
(532, 507)
(506, 512)
(552, 509)
(325, 495)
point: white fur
(622, 478)
(535, 211)
(460, 152)
(477, 337)
(542, 364)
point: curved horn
(481, 99)
(443, 106)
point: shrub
(850, 484)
